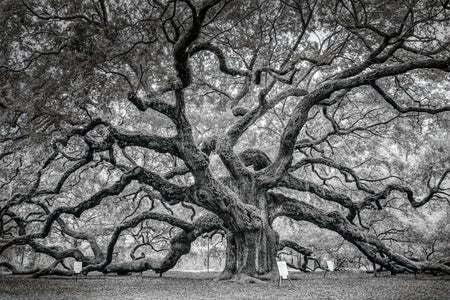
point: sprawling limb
(366, 242)
(299, 116)
(167, 190)
(294, 246)
(133, 223)
(16, 270)
(299, 249)
(292, 182)
(180, 245)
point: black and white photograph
(224, 149)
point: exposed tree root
(244, 278)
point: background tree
(234, 113)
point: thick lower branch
(292, 182)
(369, 244)
(16, 271)
(179, 246)
(294, 246)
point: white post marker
(77, 267)
(330, 267)
(283, 271)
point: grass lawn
(181, 285)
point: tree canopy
(219, 116)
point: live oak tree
(239, 111)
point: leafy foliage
(131, 128)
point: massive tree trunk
(251, 254)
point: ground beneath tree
(181, 285)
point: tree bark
(251, 255)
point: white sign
(77, 266)
(282, 269)
(311, 264)
(330, 265)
